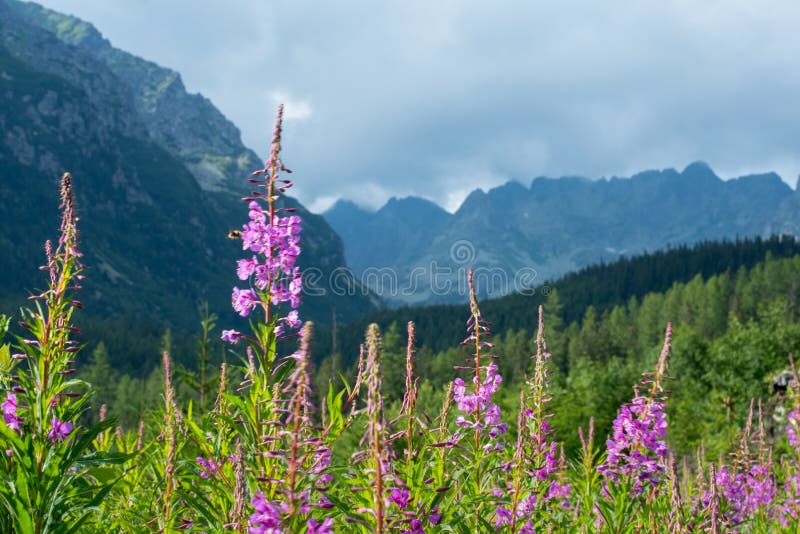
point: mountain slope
(406, 221)
(153, 226)
(516, 236)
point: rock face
(158, 174)
(517, 236)
(188, 125)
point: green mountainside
(158, 175)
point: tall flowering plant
(48, 464)
(636, 453)
(538, 493)
(283, 456)
(479, 425)
(271, 272)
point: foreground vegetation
(485, 441)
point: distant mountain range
(158, 174)
(413, 251)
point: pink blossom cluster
(10, 417)
(278, 241)
(478, 404)
(59, 430)
(268, 517)
(637, 449)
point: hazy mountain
(517, 236)
(405, 222)
(158, 174)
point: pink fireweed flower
(246, 268)
(760, 489)
(637, 448)
(59, 430)
(733, 487)
(275, 242)
(415, 527)
(502, 517)
(479, 413)
(790, 508)
(267, 517)
(479, 402)
(315, 527)
(400, 497)
(231, 336)
(292, 320)
(10, 412)
(208, 468)
(244, 300)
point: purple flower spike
(274, 244)
(637, 449)
(59, 430)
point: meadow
(268, 451)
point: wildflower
(537, 476)
(267, 517)
(315, 527)
(761, 488)
(637, 450)
(435, 517)
(59, 430)
(415, 527)
(10, 412)
(477, 404)
(275, 240)
(733, 487)
(231, 336)
(208, 468)
(322, 460)
(791, 504)
(400, 497)
(244, 300)
(503, 517)
(246, 268)
(376, 424)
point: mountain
(601, 286)
(158, 175)
(516, 236)
(408, 221)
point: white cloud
(293, 108)
(321, 204)
(383, 93)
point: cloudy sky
(437, 98)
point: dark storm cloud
(438, 98)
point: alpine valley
(518, 236)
